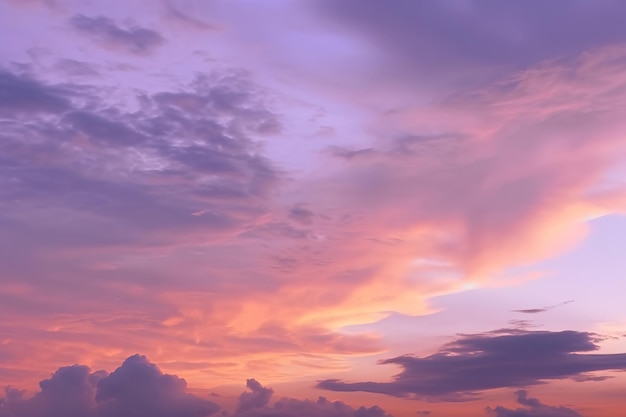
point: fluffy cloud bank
(138, 388)
(256, 404)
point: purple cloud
(151, 169)
(541, 310)
(258, 396)
(178, 16)
(255, 404)
(534, 408)
(500, 359)
(19, 94)
(136, 389)
(133, 39)
(440, 38)
(76, 68)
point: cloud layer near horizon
(138, 389)
(532, 408)
(500, 359)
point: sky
(337, 208)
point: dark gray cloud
(133, 39)
(256, 404)
(136, 389)
(505, 358)
(533, 408)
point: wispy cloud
(132, 39)
(255, 403)
(543, 309)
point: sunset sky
(312, 208)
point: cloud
(439, 40)
(301, 215)
(136, 389)
(534, 408)
(467, 188)
(542, 310)
(500, 359)
(76, 68)
(128, 164)
(186, 20)
(258, 396)
(139, 388)
(466, 185)
(24, 94)
(256, 404)
(133, 39)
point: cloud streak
(133, 39)
(542, 310)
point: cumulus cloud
(136, 389)
(500, 359)
(133, 39)
(258, 396)
(533, 408)
(256, 404)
